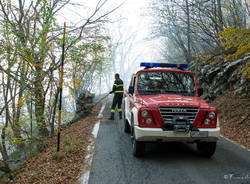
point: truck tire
(206, 149)
(126, 124)
(138, 147)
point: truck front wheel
(126, 124)
(138, 147)
(206, 149)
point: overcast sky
(134, 18)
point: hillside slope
(234, 114)
(61, 167)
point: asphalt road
(177, 163)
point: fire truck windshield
(166, 82)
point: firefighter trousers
(117, 100)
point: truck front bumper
(157, 134)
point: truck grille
(168, 112)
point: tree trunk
(40, 100)
(3, 149)
(16, 124)
(39, 110)
(52, 124)
(188, 33)
(220, 16)
(30, 111)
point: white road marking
(84, 179)
(89, 157)
(95, 129)
(100, 113)
(235, 143)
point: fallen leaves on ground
(59, 167)
(234, 114)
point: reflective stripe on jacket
(118, 86)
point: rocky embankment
(219, 77)
(84, 106)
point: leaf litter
(234, 115)
(52, 167)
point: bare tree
(30, 58)
(193, 25)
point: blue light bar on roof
(169, 65)
(150, 64)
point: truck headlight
(211, 115)
(207, 121)
(148, 121)
(144, 113)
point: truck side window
(132, 85)
(134, 79)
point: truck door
(129, 102)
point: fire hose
(102, 98)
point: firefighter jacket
(117, 87)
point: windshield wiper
(149, 92)
(186, 93)
(165, 91)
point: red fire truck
(163, 104)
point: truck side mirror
(131, 90)
(200, 91)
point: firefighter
(118, 91)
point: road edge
(235, 143)
(84, 178)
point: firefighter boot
(120, 115)
(112, 116)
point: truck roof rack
(164, 65)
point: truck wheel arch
(134, 116)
